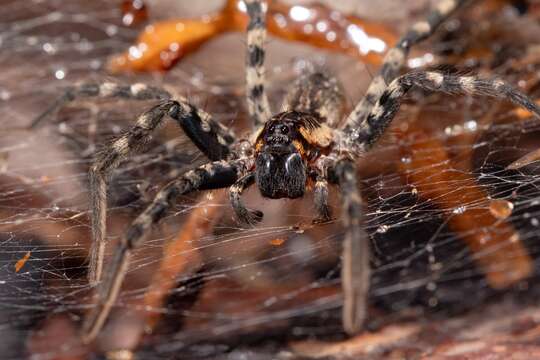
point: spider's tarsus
(250, 217)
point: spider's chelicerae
(306, 145)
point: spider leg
(104, 91)
(210, 137)
(320, 194)
(388, 104)
(355, 270)
(258, 106)
(213, 175)
(395, 59)
(244, 215)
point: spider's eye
(284, 129)
(272, 128)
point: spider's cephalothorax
(282, 154)
(303, 143)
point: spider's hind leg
(317, 91)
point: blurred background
(453, 232)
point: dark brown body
(292, 140)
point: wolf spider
(302, 147)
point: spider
(306, 146)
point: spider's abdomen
(280, 175)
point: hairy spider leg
(257, 100)
(395, 59)
(355, 269)
(107, 90)
(213, 175)
(355, 263)
(243, 214)
(212, 138)
(315, 91)
(388, 104)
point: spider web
(247, 292)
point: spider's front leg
(388, 104)
(355, 269)
(396, 57)
(106, 90)
(258, 105)
(213, 175)
(212, 138)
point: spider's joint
(436, 78)
(422, 27)
(107, 89)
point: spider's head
(282, 151)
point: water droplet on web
(111, 30)
(501, 208)
(60, 74)
(5, 95)
(534, 222)
(406, 159)
(382, 229)
(459, 210)
(49, 48)
(471, 125)
(31, 40)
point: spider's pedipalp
(214, 175)
(388, 104)
(103, 91)
(257, 100)
(395, 60)
(244, 215)
(355, 269)
(210, 137)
